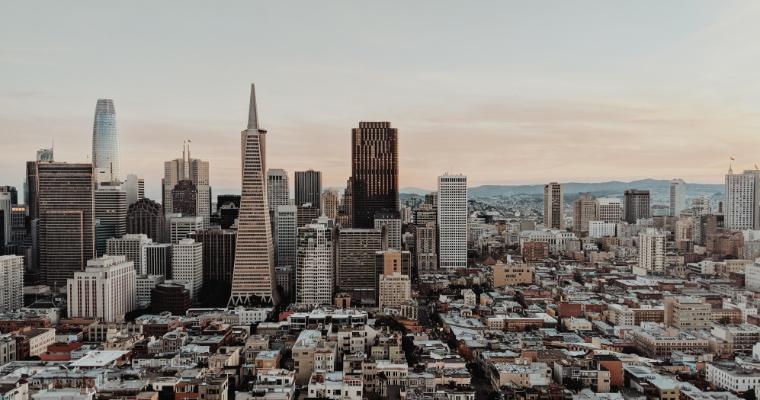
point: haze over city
(506, 92)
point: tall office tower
(609, 209)
(278, 191)
(285, 276)
(132, 247)
(394, 286)
(308, 187)
(425, 248)
(105, 142)
(286, 232)
(185, 198)
(146, 216)
(329, 204)
(135, 188)
(6, 204)
(355, 264)
(585, 209)
(652, 251)
(158, 259)
(741, 199)
(374, 171)
(181, 227)
(30, 184)
(306, 214)
(391, 222)
(677, 197)
(65, 203)
(636, 205)
(11, 283)
(452, 221)
(554, 202)
(253, 277)
(218, 262)
(701, 206)
(194, 170)
(431, 199)
(110, 215)
(105, 290)
(314, 265)
(187, 265)
(11, 191)
(20, 235)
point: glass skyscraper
(105, 142)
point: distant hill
(415, 190)
(611, 188)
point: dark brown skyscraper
(636, 205)
(185, 198)
(146, 216)
(374, 170)
(308, 187)
(65, 203)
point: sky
(504, 92)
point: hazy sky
(505, 92)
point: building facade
(452, 221)
(636, 205)
(110, 215)
(194, 170)
(355, 259)
(314, 265)
(374, 171)
(677, 197)
(554, 203)
(147, 217)
(105, 142)
(187, 265)
(105, 290)
(11, 283)
(278, 191)
(308, 188)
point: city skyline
(638, 99)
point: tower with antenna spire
(188, 169)
(253, 277)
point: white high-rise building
(286, 234)
(180, 227)
(600, 229)
(145, 284)
(135, 188)
(677, 197)
(652, 251)
(106, 289)
(11, 283)
(132, 246)
(452, 221)
(187, 265)
(742, 196)
(314, 265)
(187, 168)
(278, 192)
(609, 209)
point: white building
(187, 265)
(652, 251)
(286, 223)
(314, 265)
(132, 246)
(278, 193)
(180, 227)
(600, 229)
(677, 197)
(752, 276)
(146, 283)
(452, 221)
(106, 289)
(741, 191)
(733, 378)
(11, 283)
(134, 186)
(610, 209)
(252, 315)
(557, 240)
(335, 386)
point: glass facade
(105, 142)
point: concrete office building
(131, 246)
(105, 290)
(741, 200)
(187, 265)
(105, 143)
(609, 209)
(194, 170)
(180, 227)
(391, 222)
(147, 217)
(636, 205)
(278, 191)
(286, 233)
(554, 204)
(452, 221)
(158, 259)
(110, 215)
(329, 204)
(314, 265)
(355, 262)
(11, 283)
(585, 209)
(677, 197)
(134, 187)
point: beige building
(585, 209)
(687, 313)
(312, 353)
(554, 201)
(511, 274)
(106, 289)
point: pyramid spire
(253, 118)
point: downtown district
(368, 292)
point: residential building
(652, 251)
(741, 204)
(452, 221)
(11, 283)
(687, 313)
(554, 204)
(609, 209)
(314, 265)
